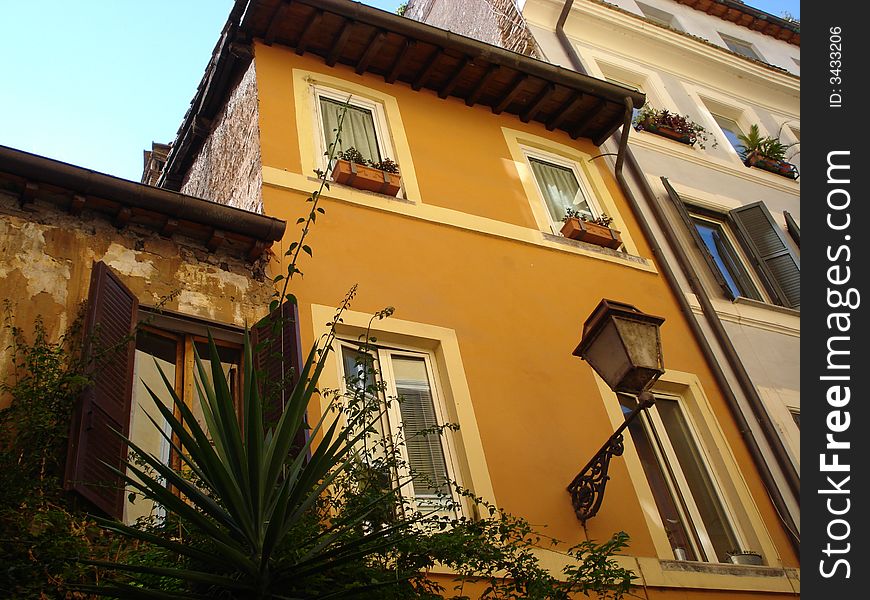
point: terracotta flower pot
(591, 233)
(780, 167)
(367, 178)
(664, 131)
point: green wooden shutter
(794, 229)
(702, 247)
(105, 405)
(767, 246)
(278, 361)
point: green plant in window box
(766, 152)
(671, 125)
(593, 230)
(353, 169)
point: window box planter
(363, 177)
(745, 557)
(592, 233)
(667, 132)
(780, 167)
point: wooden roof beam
(473, 97)
(566, 109)
(583, 123)
(340, 41)
(533, 109)
(370, 52)
(310, 26)
(505, 101)
(77, 204)
(122, 217)
(276, 19)
(402, 58)
(454, 79)
(427, 70)
(216, 240)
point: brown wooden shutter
(702, 247)
(104, 405)
(767, 246)
(279, 361)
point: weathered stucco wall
(227, 168)
(46, 256)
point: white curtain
(560, 189)
(357, 130)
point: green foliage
(400, 10)
(42, 529)
(257, 521)
(355, 156)
(765, 146)
(683, 125)
(604, 220)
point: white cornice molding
(650, 33)
(657, 143)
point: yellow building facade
(489, 298)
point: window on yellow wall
(407, 415)
(693, 513)
(364, 126)
(561, 186)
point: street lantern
(622, 344)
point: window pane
(357, 129)
(740, 47)
(419, 422)
(701, 485)
(560, 189)
(154, 353)
(231, 358)
(363, 396)
(731, 130)
(727, 260)
(658, 479)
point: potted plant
(353, 169)
(671, 125)
(578, 226)
(766, 152)
(745, 557)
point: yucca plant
(243, 519)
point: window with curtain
(560, 189)
(693, 514)
(401, 386)
(358, 129)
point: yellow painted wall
(517, 306)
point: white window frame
(678, 485)
(393, 423)
(728, 40)
(561, 161)
(659, 16)
(382, 130)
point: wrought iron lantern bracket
(587, 488)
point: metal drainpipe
(734, 361)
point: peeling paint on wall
(127, 261)
(24, 251)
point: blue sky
(94, 82)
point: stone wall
(228, 166)
(496, 22)
(46, 256)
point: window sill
(298, 183)
(559, 239)
(767, 306)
